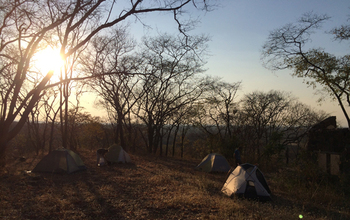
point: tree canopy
(287, 48)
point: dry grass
(154, 188)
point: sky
(238, 30)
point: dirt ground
(148, 188)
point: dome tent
(214, 163)
(60, 161)
(247, 181)
(116, 154)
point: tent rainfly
(116, 154)
(214, 163)
(60, 161)
(247, 181)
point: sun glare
(48, 59)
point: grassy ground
(155, 188)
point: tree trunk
(6, 134)
(161, 146)
(156, 140)
(167, 141)
(174, 141)
(121, 131)
(3, 148)
(116, 133)
(150, 138)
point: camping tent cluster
(246, 180)
(66, 161)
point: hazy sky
(239, 28)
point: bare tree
(110, 60)
(287, 48)
(221, 105)
(298, 120)
(215, 113)
(274, 120)
(27, 26)
(171, 66)
(180, 118)
(261, 111)
(37, 131)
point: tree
(182, 117)
(221, 105)
(274, 120)
(170, 80)
(38, 124)
(84, 130)
(28, 26)
(216, 112)
(110, 60)
(286, 48)
(263, 112)
(297, 124)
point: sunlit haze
(47, 60)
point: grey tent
(116, 154)
(60, 161)
(247, 181)
(214, 163)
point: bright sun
(48, 59)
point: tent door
(250, 191)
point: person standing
(237, 155)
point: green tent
(116, 154)
(60, 161)
(214, 163)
